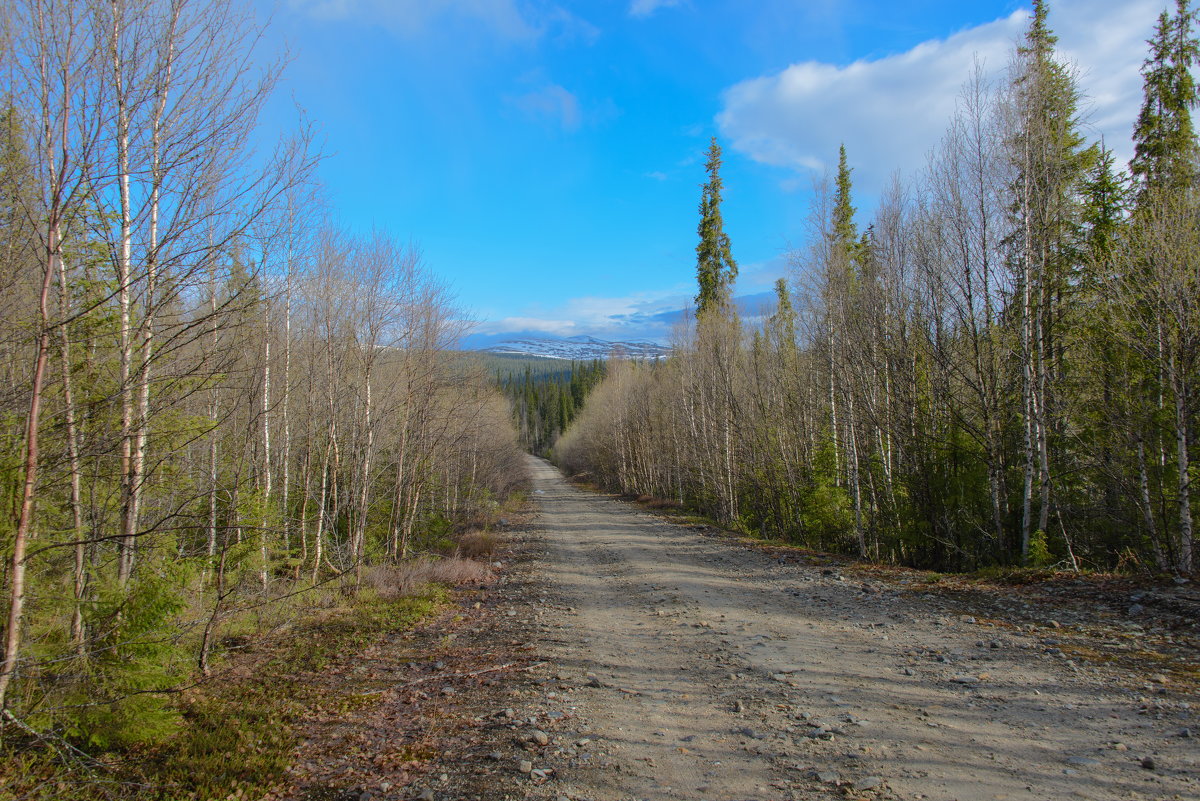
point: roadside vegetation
(1000, 369)
(224, 418)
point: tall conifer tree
(1165, 148)
(845, 232)
(715, 268)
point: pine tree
(1165, 150)
(715, 268)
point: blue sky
(546, 157)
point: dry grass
(654, 502)
(474, 544)
(401, 580)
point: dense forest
(1001, 368)
(213, 398)
(547, 397)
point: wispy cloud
(644, 8)
(891, 111)
(639, 317)
(551, 102)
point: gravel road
(680, 664)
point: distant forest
(546, 394)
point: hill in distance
(579, 348)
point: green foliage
(845, 231)
(1165, 148)
(1039, 550)
(826, 515)
(137, 662)
(235, 736)
(715, 268)
(545, 402)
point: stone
(1148, 763)
(426, 795)
(540, 737)
(739, 707)
(1136, 609)
(828, 777)
(524, 766)
(868, 783)
(908, 671)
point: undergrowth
(238, 728)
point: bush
(474, 544)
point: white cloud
(413, 17)
(657, 175)
(639, 316)
(552, 102)
(891, 111)
(644, 8)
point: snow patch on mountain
(578, 348)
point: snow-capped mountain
(579, 348)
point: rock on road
(692, 667)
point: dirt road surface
(680, 665)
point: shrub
(474, 544)
(406, 579)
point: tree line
(1001, 368)
(212, 397)
(545, 402)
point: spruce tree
(845, 232)
(1165, 149)
(715, 268)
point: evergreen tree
(1165, 149)
(1105, 196)
(1050, 163)
(845, 232)
(715, 268)
(782, 324)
